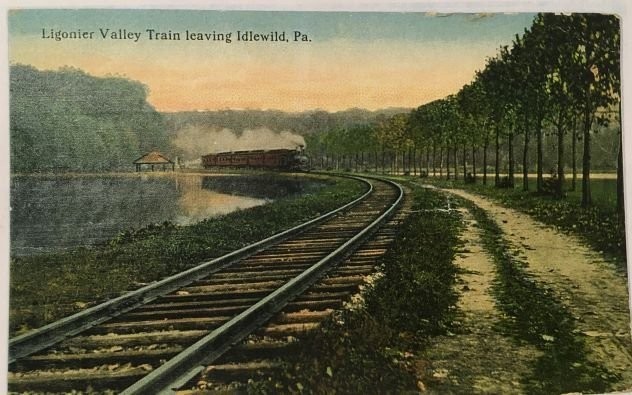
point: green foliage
(562, 74)
(68, 120)
(600, 227)
(392, 132)
(355, 141)
(344, 141)
(474, 113)
(416, 293)
(49, 286)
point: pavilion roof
(153, 158)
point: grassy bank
(535, 315)
(49, 286)
(598, 226)
(365, 350)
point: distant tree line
(557, 85)
(303, 123)
(67, 120)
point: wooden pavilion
(152, 159)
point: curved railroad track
(199, 326)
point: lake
(53, 213)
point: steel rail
(188, 363)
(53, 333)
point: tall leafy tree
(475, 120)
(593, 50)
(561, 70)
(495, 83)
(391, 134)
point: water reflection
(58, 212)
(197, 201)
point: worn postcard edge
(619, 7)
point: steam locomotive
(278, 159)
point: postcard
(283, 199)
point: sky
(341, 60)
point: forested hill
(303, 123)
(67, 120)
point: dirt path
(588, 286)
(478, 359)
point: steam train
(277, 159)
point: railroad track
(198, 325)
(265, 350)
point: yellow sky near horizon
(338, 78)
(375, 70)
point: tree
(68, 120)
(592, 49)
(561, 71)
(495, 81)
(475, 119)
(528, 72)
(391, 134)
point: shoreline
(196, 172)
(600, 175)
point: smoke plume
(195, 141)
